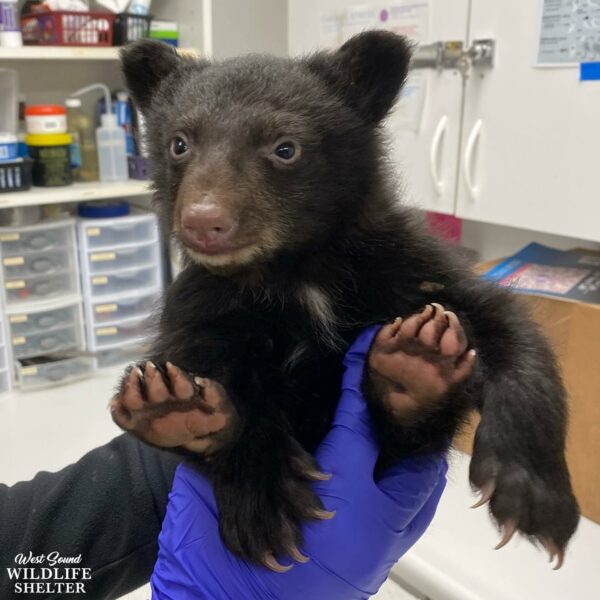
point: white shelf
(78, 192)
(67, 53)
(60, 53)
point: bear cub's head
(259, 157)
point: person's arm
(108, 507)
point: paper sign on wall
(404, 17)
(569, 32)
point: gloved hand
(350, 555)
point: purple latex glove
(350, 555)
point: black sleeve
(108, 507)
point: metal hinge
(454, 55)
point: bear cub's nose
(207, 227)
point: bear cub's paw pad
(415, 361)
(166, 407)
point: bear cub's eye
(286, 152)
(179, 146)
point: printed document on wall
(404, 17)
(569, 32)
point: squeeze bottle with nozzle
(110, 141)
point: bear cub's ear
(145, 63)
(368, 71)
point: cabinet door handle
(472, 188)
(434, 151)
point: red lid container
(43, 110)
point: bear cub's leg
(164, 406)
(414, 362)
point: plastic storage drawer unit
(124, 308)
(119, 231)
(43, 372)
(27, 323)
(46, 330)
(124, 281)
(38, 288)
(107, 336)
(53, 261)
(120, 355)
(45, 342)
(44, 236)
(123, 258)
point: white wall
(249, 26)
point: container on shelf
(68, 28)
(138, 167)
(44, 371)
(10, 33)
(9, 101)
(164, 30)
(129, 27)
(112, 149)
(45, 118)
(15, 176)
(8, 146)
(51, 159)
(84, 156)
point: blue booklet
(538, 269)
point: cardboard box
(573, 329)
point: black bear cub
(272, 175)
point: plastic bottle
(124, 120)
(84, 157)
(10, 31)
(139, 7)
(110, 140)
(9, 101)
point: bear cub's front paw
(164, 406)
(415, 361)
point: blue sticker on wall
(589, 71)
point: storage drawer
(104, 233)
(106, 336)
(33, 289)
(124, 281)
(47, 342)
(4, 380)
(124, 308)
(122, 258)
(120, 355)
(27, 323)
(40, 372)
(46, 236)
(38, 263)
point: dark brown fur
(333, 252)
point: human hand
(348, 557)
